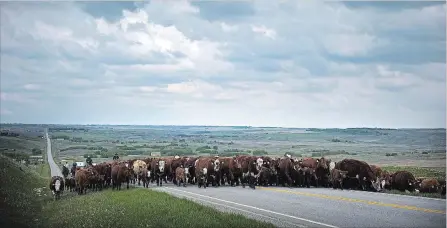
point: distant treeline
(353, 131)
(56, 129)
(100, 148)
(9, 134)
(16, 155)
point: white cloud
(349, 44)
(312, 64)
(31, 87)
(5, 112)
(270, 33)
(228, 28)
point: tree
(36, 151)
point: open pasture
(387, 147)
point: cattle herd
(205, 171)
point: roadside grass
(429, 195)
(418, 171)
(22, 193)
(138, 208)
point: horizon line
(247, 126)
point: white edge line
(407, 196)
(256, 208)
(375, 193)
(235, 208)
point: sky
(278, 63)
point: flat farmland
(387, 147)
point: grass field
(386, 147)
(139, 208)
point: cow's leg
(231, 178)
(251, 180)
(289, 179)
(222, 177)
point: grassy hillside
(418, 171)
(21, 144)
(22, 193)
(138, 208)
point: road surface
(55, 170)
(319, 207)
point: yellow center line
(412, 208)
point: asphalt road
(319, 207)
(55, 170)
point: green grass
(21, 144)
(418, 171)
(138, 208)
(429, 195)
(21, 204)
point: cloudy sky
(259, 63)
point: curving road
(55, 170)
(314, 207)
(319, 207)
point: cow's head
(411, 183)
(266, 163)
(57, 185)
(259, 163)
(323, 163)
(376, 184)
(216, 165)
(161, 165)
(331, 165)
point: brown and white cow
(57, 186)
(361, 171)
(208, 168)
(159, 171)
(250, 169)
(403, 180)
(230, 171)
(428, 185)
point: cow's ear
(318, 160)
